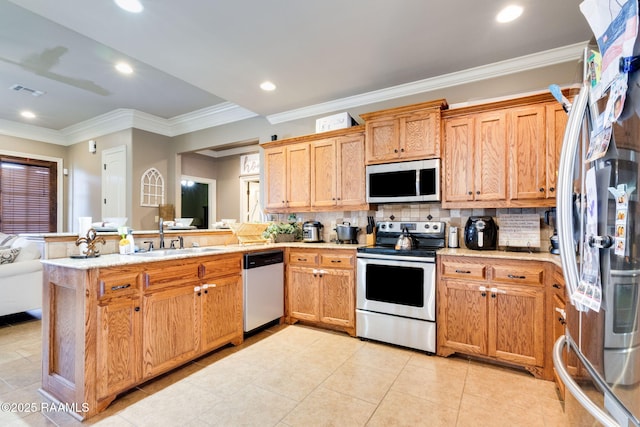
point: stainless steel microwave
(403, 182)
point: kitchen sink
(168, 252)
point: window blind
(27, 195)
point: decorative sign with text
(519, 230)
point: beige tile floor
(297, 376)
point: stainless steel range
(396, 289)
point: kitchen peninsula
(115, 321)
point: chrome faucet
(161, 230)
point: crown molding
(123, 118)
(510, 66)
(230, 152)
(21, 130)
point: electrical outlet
(157, 218)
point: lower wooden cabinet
(119, 337)
(497, 313)
(321, 288)
(109, 329)
(170, 329)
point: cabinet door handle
(513, 276)
(463, 271)
(542, 190)
(557, 286)
(395, 151)
(552, 189)
(137, 309)
(483, 291)
(469, 193)
(125, 286)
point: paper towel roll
(84, 224)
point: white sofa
(20, 280)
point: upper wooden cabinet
(337, 175)
(287, 175)
(475, 158)
(316, 172)
(406, 133)
(503, 154)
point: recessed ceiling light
(509, 13)
(27, 114)
(268, 86)
(124, 68)
(133, 6)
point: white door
(250, 209)
(114, 182)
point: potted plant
(283, 232)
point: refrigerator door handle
(575, 389)
(564, 197)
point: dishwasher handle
(262, 259)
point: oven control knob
(426, 226)
(383, 226)
(390, 225)
(435, 227)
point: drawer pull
(336, 261)
(513, 276)
(125, 286)
(463, 272)
(557, 286)
(302, 259)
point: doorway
(198, 200)
(250, 208)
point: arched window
(151, 188)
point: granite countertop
(525, 256)
(114, 260)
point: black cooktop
(428, 236)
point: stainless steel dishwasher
(263, 288)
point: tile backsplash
(416, 212)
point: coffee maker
(550, 220)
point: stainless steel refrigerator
(598, 358)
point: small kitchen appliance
(480, 233)
(453, 237)
(550, 219)
(311, 231)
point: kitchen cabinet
(406, 133)
(221, 302)
(119, 332)
(337, 178)
(321, 288)
(475, 157)
(528, 149)
(108, 329)
(502, 154)
(287, 176)
(556, 123)
(556, 324)
(316, 172)
(492, 309)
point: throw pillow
(7, 256)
